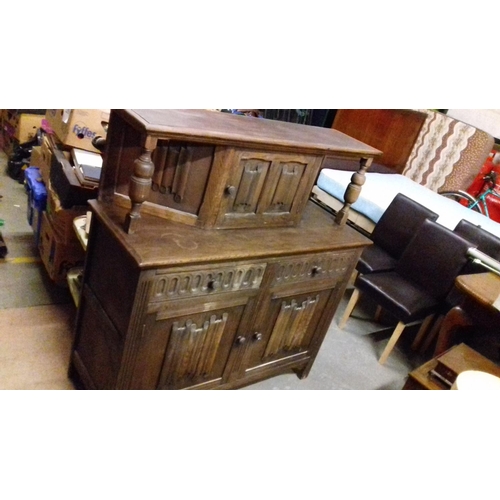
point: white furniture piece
(379, 190)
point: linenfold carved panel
(193, 348)
(285, 187)
(291, 326)
(177, 165)
(248, 192)
(266, 186)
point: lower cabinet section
(219, 325)
(258, 334)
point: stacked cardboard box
(77, 128)
(57, 256)
(67, 198)
(19, 127)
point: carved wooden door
(265, 187)
(284, 329)
(197, 347)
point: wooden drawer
(169, 285)
(326, 268)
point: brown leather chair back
(483, 240)
(399, 223)
(434, 258)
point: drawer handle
(257, 337)
(241, 340)
(315, 271)
(230, 190)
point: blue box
(37, 199)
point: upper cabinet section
(215, 170)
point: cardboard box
(62, 218)
(77, 127)
(37, 160)
(27, 126)
(42, 155)
(57, 257)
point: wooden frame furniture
(170, 302)
(479, 307)
(215, 170)
(441, 371)
(392, 131)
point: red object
(479, 185)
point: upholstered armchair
(447, 154)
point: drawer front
(330, 267)
(204, 282)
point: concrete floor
(348, 359)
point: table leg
(454, 319)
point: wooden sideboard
(171, 304)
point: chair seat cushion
(374, 259)
(403, 299)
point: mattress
(379, 190)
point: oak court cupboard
(207, 264)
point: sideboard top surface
(229, 129)
(159, 242)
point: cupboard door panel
(289, 328)
(198, 347)
(282, 186)
(249, 189)
(266, 189)
(291, 325)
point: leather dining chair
(392, 233)
(485, 242)
(416, 289)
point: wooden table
(454, 361)
(479, 307)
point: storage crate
(37, 199)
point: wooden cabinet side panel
(99, 346)
(112, 275)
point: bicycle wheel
(464, 199)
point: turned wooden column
(140, 184)
(353, 190)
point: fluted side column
(353, 190)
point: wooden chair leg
(424, 327)
(352, 279)
(392, 342)
(349, 308)
(378, 314)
